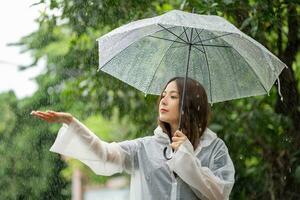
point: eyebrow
(173, 91)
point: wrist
(69, 119)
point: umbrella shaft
(184, 88)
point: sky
(17, 20)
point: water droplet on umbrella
(198, 108)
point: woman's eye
(173, 97)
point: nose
(164, 101)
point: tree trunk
(287, 78)
(290, 105)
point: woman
(201, 163)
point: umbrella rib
(197, 34)
(179, 46)
(200, 42)
(210, 90)
(167, 28)
(253, 71)
(159, 65)
(172, 33)
(187, 39)
(129, 46)
(165, 39)
(133, 43)
(198, 49)
(211, 45)
(250, 68)
(207, 64)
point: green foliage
(27, 169)
(7, 116)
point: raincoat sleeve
(214, 182)
(77, 141)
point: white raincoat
(206, 173)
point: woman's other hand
(177, 139)
(53, 117)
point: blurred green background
(262, 133)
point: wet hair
(196, 110)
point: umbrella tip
(279, 92)
(281, 99)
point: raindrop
(198, 95)
(198, 108)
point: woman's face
(169, 104)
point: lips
(163, 110)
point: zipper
(174, 187)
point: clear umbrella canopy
(229, 64)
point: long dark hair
(196, 109)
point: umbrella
(228, 63)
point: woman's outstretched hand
(53, 117)
(177, 139)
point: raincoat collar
(161, 136)
(205, 140)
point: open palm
(53, 117)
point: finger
(178, 133)
(176, 139)
(175, 145)
(39, 112)
(45, 118)
(34, 113)
(43, 114)
(51, 113)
